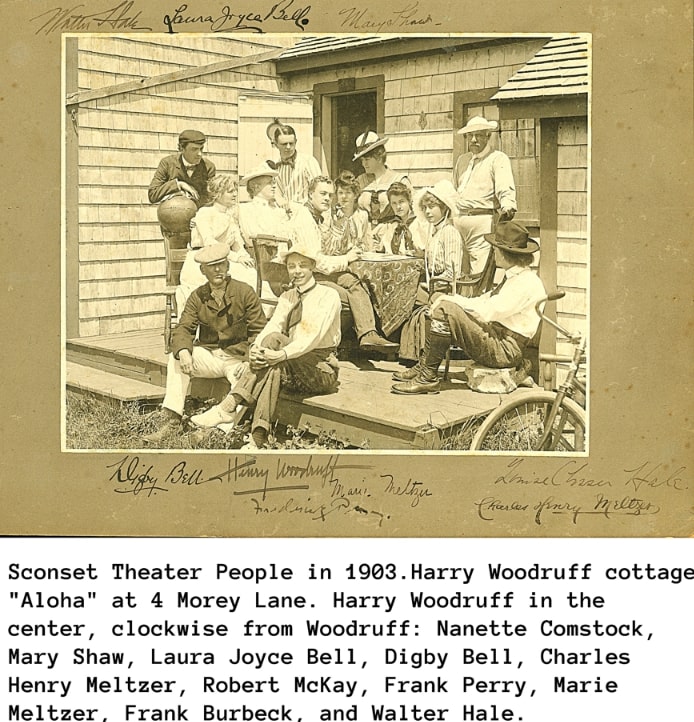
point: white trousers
(476, 250)
(206, 365)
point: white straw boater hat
(366, 142)
(258, 171)
(302, 249)
(478, 123)
(443, 190)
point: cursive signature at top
(375, 18)
(227, 20)
(74, 19)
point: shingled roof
(328, 43)
(561, 67)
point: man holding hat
(183, 173)
(295, 351)
(484, 182)
(493, 329)
(225, 315)
(295, 170)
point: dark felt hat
(512, 237)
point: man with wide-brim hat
(486, 190)
(370, 150)
(184, 173)
(493, 329)
(211, 339)
(295, 351)
(295, 169)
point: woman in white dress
(216, 223)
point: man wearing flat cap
(294, 170)
(184, 173)
(493, 329)
(212, 337)
(484, 182)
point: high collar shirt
(484, 181)
(307, 231)
(259, 217)
(294, 178)
(514, 304)
(216, 224)
(444, 251)
(381, 185)
(189, 167)
(383, 234)
(319, 327)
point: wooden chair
(275, 274)
(468, 287)
(176, 249)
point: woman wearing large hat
(371, 151)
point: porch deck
(132, 367)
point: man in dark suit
(184, 173)
(212, 338)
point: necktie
(295, 312)
(496, 289)
(402, 236)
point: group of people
(325, 226)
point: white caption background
(346, 629)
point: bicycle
(537, 419)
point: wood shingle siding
(122, 136)
(572, 225)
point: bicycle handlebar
(555, 296)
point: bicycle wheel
(518, 425)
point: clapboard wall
(427, 84)
(572, 224)
(117, 142)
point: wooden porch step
(108, 385)
(138, 355)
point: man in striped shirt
(296, 170)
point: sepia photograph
(428, 194)
(336, 270)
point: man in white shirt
(295, 170)
(493, 329)
(312, 226)
(295, 351)
(484, 182)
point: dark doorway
(352, 115)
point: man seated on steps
(225, 315)
(493, 329)
(311, 226)
(295, 351)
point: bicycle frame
(551, 434)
